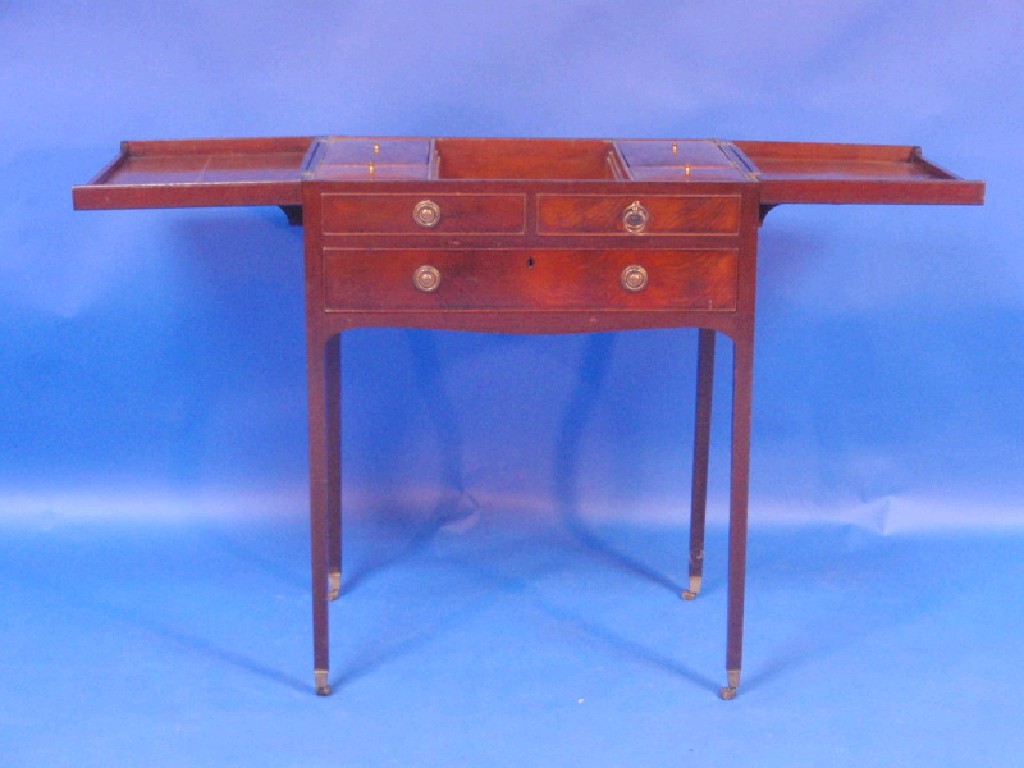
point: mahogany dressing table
(524, 236)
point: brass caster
(729, 692)
(323, 688)
(334, 585)
(694, 590)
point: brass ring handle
(634, 278)
(636, 218)
(426, 278)
(427, 213)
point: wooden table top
(271, 171)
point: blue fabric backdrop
(153, 559)
(159, 354)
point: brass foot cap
(729, 692)
(694, 590)
(323, 688)
(334, 585)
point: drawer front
(666, 214)
(386, 214)
(698, 279)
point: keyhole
(530, 262)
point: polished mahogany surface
(791, 172)
(166, 174)
(150, 174)
(524, 236)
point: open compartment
(577, 159)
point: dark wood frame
(547, 266)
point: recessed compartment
(527, 159)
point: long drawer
(525, 279)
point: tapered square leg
(319, 501)
(332, 383)
(743, 375)
(701, 446)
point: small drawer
(662, 214)
(427, 213)
(512, 279)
